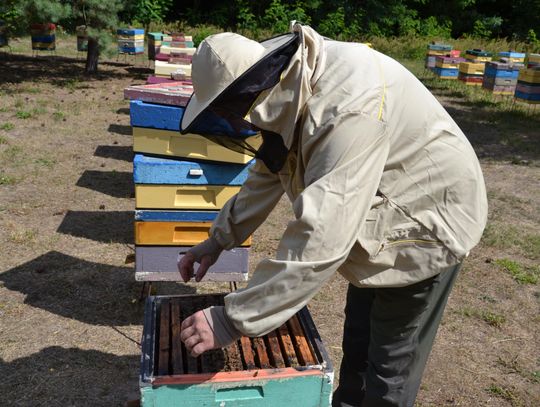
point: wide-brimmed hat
(229, 72)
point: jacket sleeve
(245, 212)
(344, 161)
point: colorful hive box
(430, 61)
(501, 70)
(173, 233)
(153, 170)
(167, 70)
(439, 47)
(448, 62)
(159, 263)
(472, 68)
(130, 40)
(478, 55)
(156, 131)
(174, 94)
(446, 73)
(533, 60)
(512, 57)
(287, 367)
(184, 197)
(43, 37)
(166, 49)
(531, 75)
(154, 43)
(528, 87)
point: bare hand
(197, 334)
(185, 267)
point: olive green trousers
(387, 338)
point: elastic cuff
(222, 240)
(224, 332)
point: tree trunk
(92, 56)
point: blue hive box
(446, 72)
(175, 216)
(501, 70)
(130, 31)
(155, 116)
(152, 170)
(511, 54)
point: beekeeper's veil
(250, 95)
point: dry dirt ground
(70, 319)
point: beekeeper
(385, 189)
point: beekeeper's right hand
(205, 253)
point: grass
(7, 180)
(3, 140)
(503, 393)
(23, 237)
(23, 114)
(46, 162)
(58, 116)
(491, 318)
(520, 273)
(504, 236)
(7, 127)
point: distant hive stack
(533, 60)
(434, 50)
(82, 38)
(154, 44)
(471, 71)
(181, 182)
(528, 86)
(501, 78)
(130, 41)
(43, 37)
(173, 61)
(512, 57)
(447, 67)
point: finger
(192, 341)
(186, 323)
(185, 266)
(186, 333)
(206, 262)
(199, 349)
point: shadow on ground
(118, 184)
(122, 129)
(58, 376)
(94, 293)
(100, 226)
(58, 70)
(124, 153)
(499, 128)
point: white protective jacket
(385, 188)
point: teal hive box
(287, 367)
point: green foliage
(23, 114)
(278, 16)
(7, 127)
(148, 11)
(45, 11)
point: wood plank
(289, 353)
(261, 354)
(192, 363)
(305, 356)
(247, 353)
(164, 339)
(176, 321)
(276, 358)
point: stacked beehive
(512, 57)
(154, 44)
(173, 61)
(528, 86)
(447, 67)
(501, 77)
(181, 182)
(130, 41)
(434, 50)
(43, 37)
(82, 38)
(533, 60)
(471, 71)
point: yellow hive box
(166, 49)
(172, 143)
(529, 75)
(535, 58)
(433, 52)
(173, 233)
(209, 197)
(472, 68)
(477, 58)
(137, 37)
(165, 69)
(440, 64)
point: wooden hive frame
(294, 350)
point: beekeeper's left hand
(197, 334)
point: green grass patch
(38, 110)
(3, 140)
(520, 273)
(504, 236)
(23, 114)
(46, 162)
(503, 393)
(7, 180)
(493, 319)
(58, 116)
(7, 126)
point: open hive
(288, 366)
